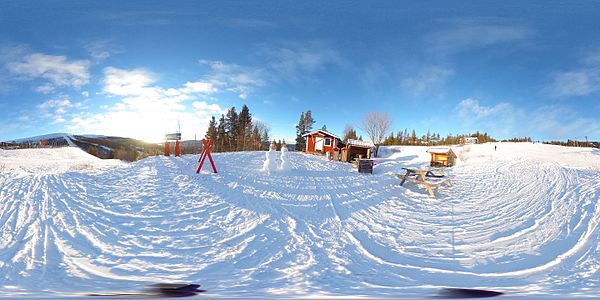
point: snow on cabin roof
(359, 143)
(325, 132)
(439, 150)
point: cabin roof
(324, 132)
(359, 143)
(440, 150)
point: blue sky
(510, 68)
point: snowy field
(521, 220)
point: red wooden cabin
(321, 141)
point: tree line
(404, 138)
(237, 132)
(575, 143)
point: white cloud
(470, 108)
(57, 70)
(58, 109)
(199, 87)
(55, 103)
(58, 120)
(126, 82)
(430, 77)
(147, 111)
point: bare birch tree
(376, 125)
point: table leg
(405, 176)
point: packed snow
(522, 219)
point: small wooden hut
(355, 149)
(442, 157)
(321, 141)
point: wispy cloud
(287, 61)
(429, 78)
(249, 23)
(499, 118)
(55, 70)
(580, 81)
(547, 122)
(464, 35)
(294, 60)
(100, 50)
(233, 77)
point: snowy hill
(36, 139)
(522, 219)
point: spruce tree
(300, 142)
(211, 132)
(231, 127)
(221, 135)
(244, 127)
(255, 138)
(308, 121)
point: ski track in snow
(508, 223)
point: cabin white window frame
(326, 144)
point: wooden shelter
(442, 157)
(355, 149)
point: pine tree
(255, 138)
(304, 126)
(308, 121)
(221, 135)
(211, 132)
(300, 142)
(265, 140)
(324, 127)
(413, 137)
(244, 127)
(231, 126)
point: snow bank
(523, 219)
(51, 160)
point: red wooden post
(167, 148)
(177, 149)
(206, 152)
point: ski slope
(522, 220)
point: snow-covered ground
(522, 219)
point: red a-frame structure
(207, 143)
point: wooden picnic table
(420, 176)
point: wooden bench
(418, 176)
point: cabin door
(319, 144)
